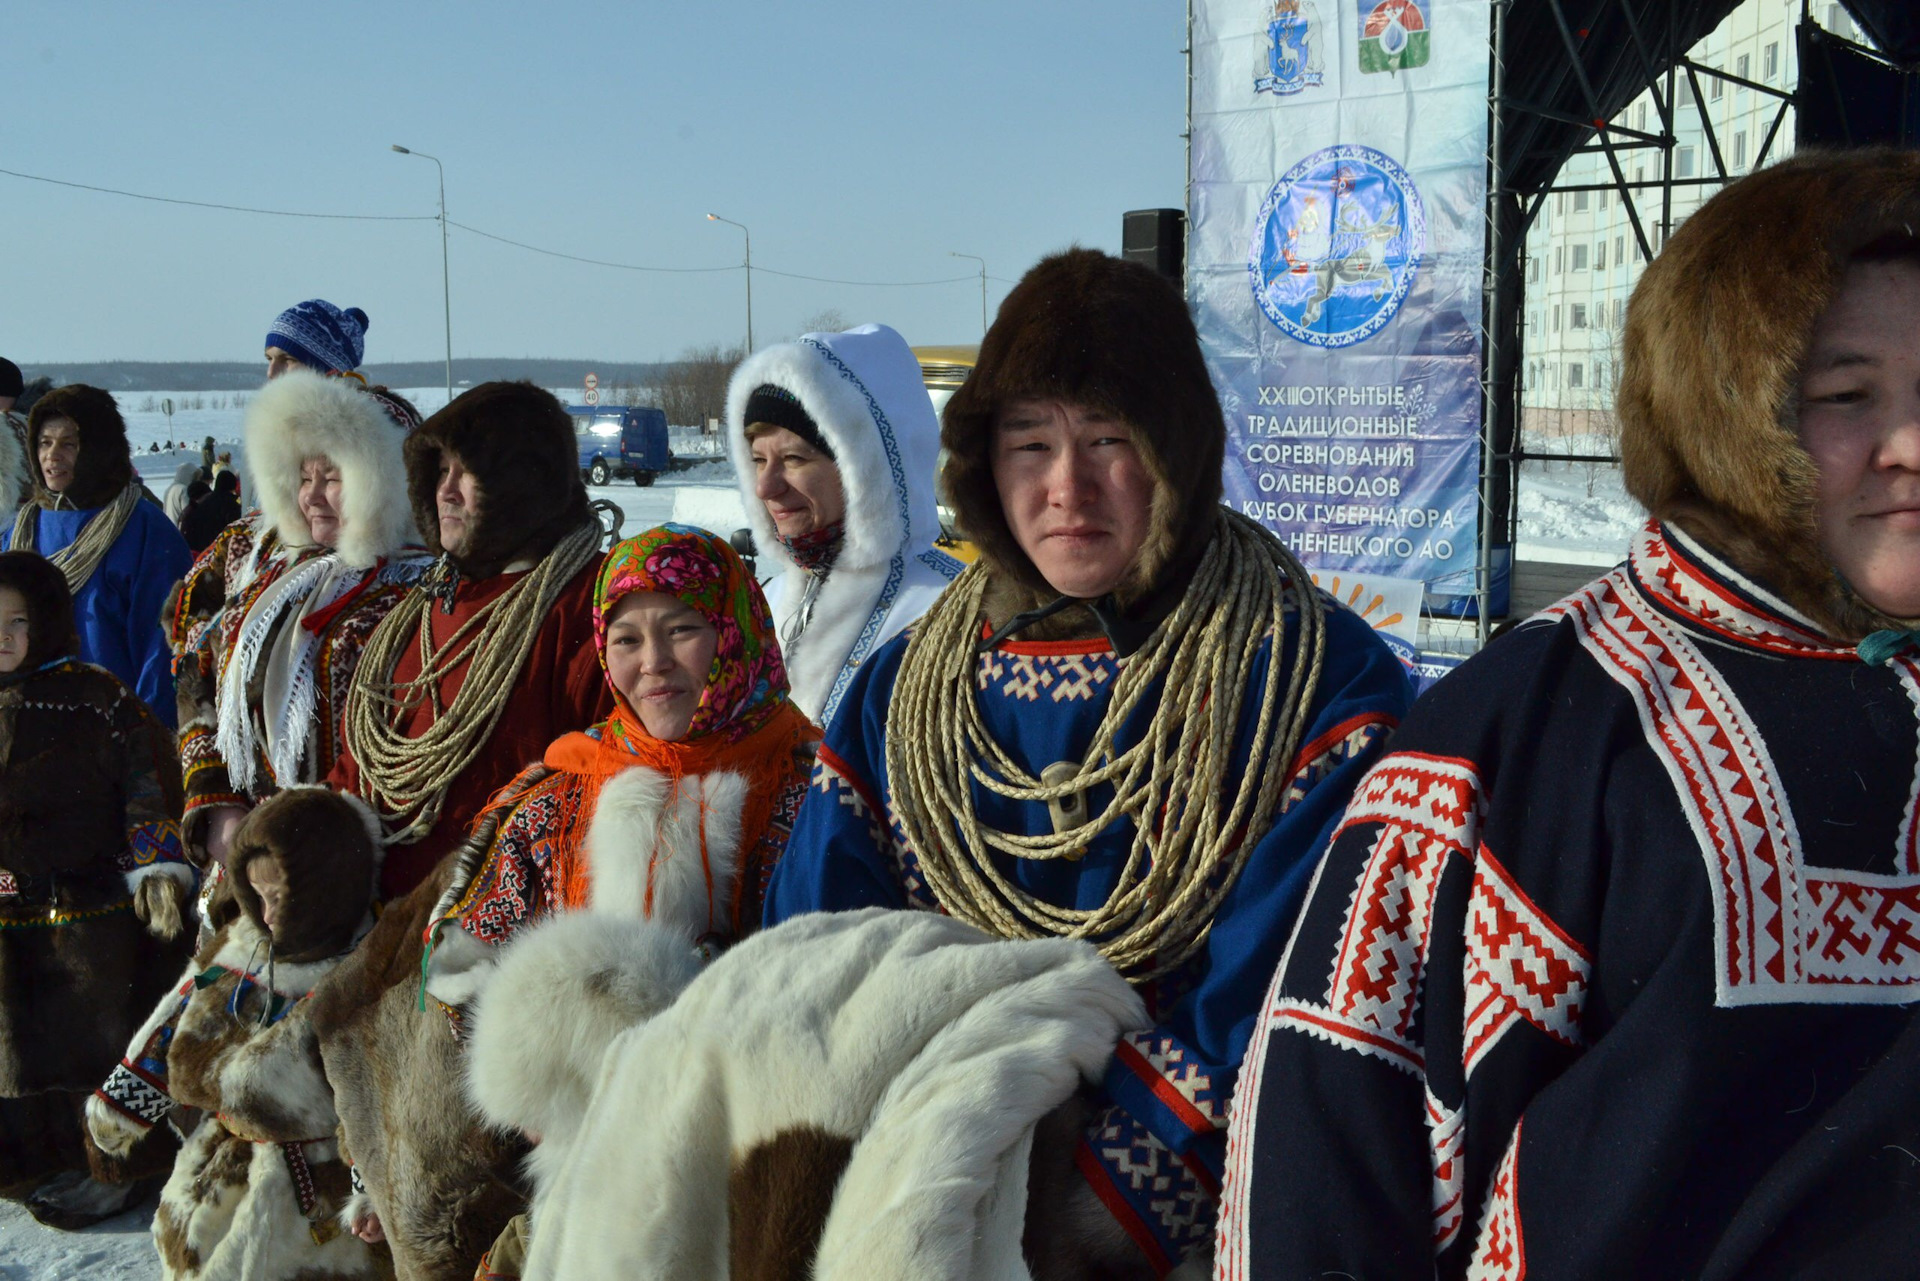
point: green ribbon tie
(1881, 646)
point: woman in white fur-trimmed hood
(268, 626)
(835, 442)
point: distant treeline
(216, 375)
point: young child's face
(13, 629)
(269, 881)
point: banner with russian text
(1335, 240)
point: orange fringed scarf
(768, 759)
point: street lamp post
(749, 235)
(446, 289)
(983, 287)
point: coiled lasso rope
(1195, 822)
(406, 779)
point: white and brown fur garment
(443, 1182)
(849, 1095)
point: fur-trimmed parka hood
(302, 415)
(329, 844)
(518, 442)
(105, 464)
(865, 394)
(1717, 332)
(1097, 331)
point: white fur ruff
(646, 835)
(302, 415)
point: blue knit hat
(321, 336)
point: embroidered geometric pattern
(1158, 1187)
(1064, 678)
(1332, 750)
(1685, 577)
(1500, 1253)
(834, 778)
(1163, 1062)
(1784, 933)
(1447, 1141)
(148, 843)
(136, 1097)
(1519, 965)
(1428, 810)
(514, 886)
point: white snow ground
(120, 1249)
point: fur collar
(1716, 332)
(300, 415)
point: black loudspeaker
(1850, 96)
(1158, 239)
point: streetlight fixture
(713, 217)
(446, 289)
(983, 287)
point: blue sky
(857, 140)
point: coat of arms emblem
(1395, 34)
(1293, 58)
(1337, 245)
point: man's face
(458, 498)
(15, 629)
(279, 362)
(59, 452)
(799, 485)
(1860, 420)
(1075, 491)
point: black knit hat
(779, 407)
(11, 383)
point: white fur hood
(864, 390)
(300, 415)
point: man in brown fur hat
(492, 657)
(1172, 717)
(1612, 968)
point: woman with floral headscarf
(667, 818)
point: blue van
(619, 441)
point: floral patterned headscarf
(748, 681)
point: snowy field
(702, 494)
(1575, 513)
(120, 1249)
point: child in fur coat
(257, 1187)
(92, 893)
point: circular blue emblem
(1336, 246)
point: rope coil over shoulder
(1195, 823)
(406, 778)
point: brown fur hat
(518, 442)
(1111, 335)
(1717, 331)
(105, 464)
(329, 845)
(50, 633)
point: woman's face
(659, 652)
(799, 485)
(13, 629)
(1860, 420)
(320, 500)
